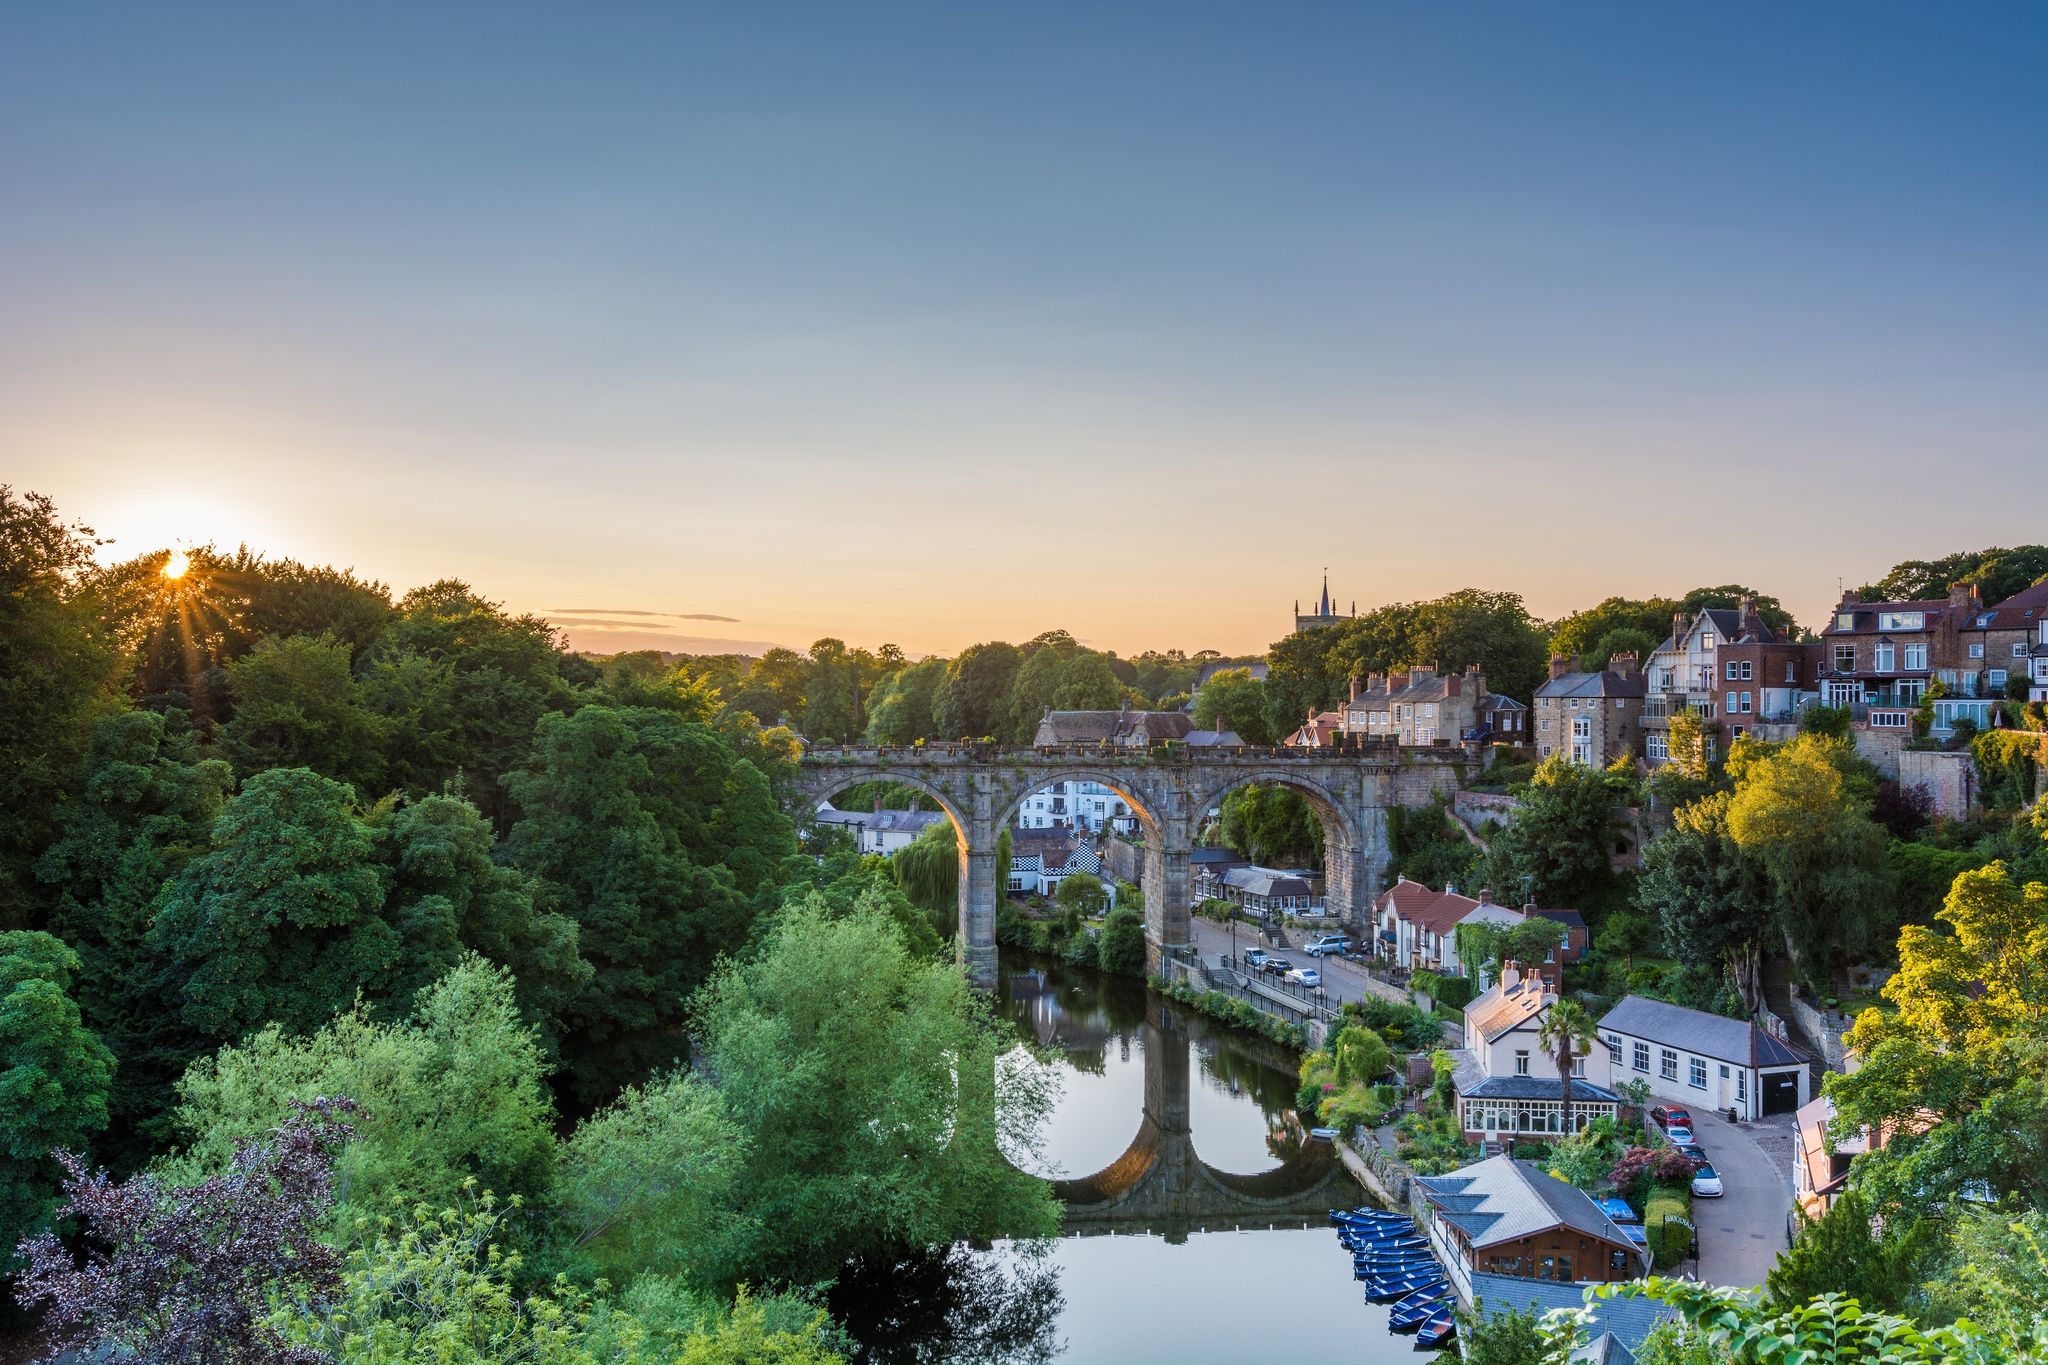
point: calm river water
(1196, 1228)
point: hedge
(1672, 1242)
(1233, 1011)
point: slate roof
(1157, 726)
(1696, 1031)
(2022, 611)
(1211, 739)
(1727, 624)
(1527, 1200)
(1865, 615)
(1210, 670)
(1265, 881)
(1571, 919)
(1603, 684)
(1627, 1320)
(1471, 1082)
(910, 822)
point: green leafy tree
(928, 870)
(1567, 1032)
(1234, 700)
(1962, 1050)
(54, 1077)
(1501, 1336)
(657, 840)
(1561, 843)
(1729, 596)
(296, 706)
(1796, 813)
(1087, 683)
(829, 701)
(1997, 572)
(1491, 946)
(902, 706)
(1712, 901)
(447, 898)
(451, 1094)
(1581, 632)
(866, 1081)
(1273, 826)
(1625, 935)
(143, 807)
(1122, 947)
(1034, 691)
(1359, 1055)
(1829, 722)
(1624, 640)
(1845, 1251)
(1083, 894)
(58, 667)
(974, 699)
(282, 921)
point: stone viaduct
(1170, 787)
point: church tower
(1326, 612)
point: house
(1041, 859)
(1821, 1172)
(1076, 805)
(1699, 1058)
(880, 831)
(1574, 945)
(1420, 707)
(1507, 1218)
(1399, 904)
(1322, 730)
(1592, 718)
(1416, 928)
(1686, 672)
(1126, 729)
(1206, 867)
(2007, 641)
(1507, 1082)
(1264, 890)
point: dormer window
(1845, 620)
(1902, 620)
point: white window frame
(1642, 1058)
(1667, 1064)
(1696, 1073)
(1916, 658)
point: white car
(1706, 1183)
(1679, 1134)
(1305, 976)
(1329, 943)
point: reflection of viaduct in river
(1160, 1185)
(981, 785)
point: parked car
(1679, 1135)
(1278, 966)
(1691, 1149)
(1254, 956)
(1671, 1115)
(1706, 1183)
(1306, 976)
(1329, 943)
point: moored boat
(1437, 1329)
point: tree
(974, 700)
(451, 1094)
(1625, 935)
(1953, 1076)
(657, 839)
(1997, 572)
(296, 706)
(58, 665)
(866, 1081)
(1504, 1336)
(1121, 949)
(282, 921)
(1561, 843)
(1234, 700)
(1581, 632)
(1033, 691)
(1690, 746)
(901, 708)
(142, 807)
(1529, 942)
(1796, 815)
(1623, 640)
(1729, 596)
(928, 870)
(1845, 1252)
(189, 1276)
(53, 1080)
(1712, 900)
(447, 898)
(1273, 825)
(829, 701)
(1087, 683)
(1566, 1032)
(1360, 1055)
(1083, 894)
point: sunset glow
(178, 563)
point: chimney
(1529, 906)
(1622, 665)
(1396, 681)
(1375, 682)
(1485, 896)
(1963, 597)
(1510, 975)
(914, 797)
(878, 805)
(1680, 623)
(1354, 687)
(1559, 665)
(1421, 672)
(1745, 616)
(1451, 685)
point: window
(1916, 657)
(1887, 657)
(1696, 1074)
(1731, 670)
(1977, 651)
(1613, 1049)
(1845, 658)
(1504, 1265)
(1734, 702)
(1706, 639)
(1742, 1085)
(1910, 690)
(1660, 749)
(1792, 673)
(1745, 702)
(1555, 1267)
(1902, 620)
(1521, 1063)
(1994, 679)
(1845, 621)
(1745, 670)
(2019, 649)
(1724, 1073)
(1579, 1067)
(1642, 1056)
(1667, 1063)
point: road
(1742, 1232)
(1341, 980)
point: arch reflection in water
(951, 1304)
(1158, 1181)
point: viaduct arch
(1169, 787)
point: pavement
(1341, 980)
(1742, 1232)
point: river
(1197, 1225)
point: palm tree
(1567, 1032)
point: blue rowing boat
(1386, 1289)
(1407, 1319)
(1437, 1329)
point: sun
(178, 563)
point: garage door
(1781, 1092)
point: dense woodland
(388, 924)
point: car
(1679, 1135)
(1306, 976)
(1706, 1183)
(1328, 943)
(1671, 1115)
(1278, 966)
(1691, 1149)
(1254, 956)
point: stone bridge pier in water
(1170, 789)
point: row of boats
(1398, 1268)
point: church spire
(1326, 595)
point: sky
(737, 325)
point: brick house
(1689, 671)
(2008, 640)
(1423, 707)
(1592, 718)
(1877, 658)
(1765, 681)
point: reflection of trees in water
(951, 1306)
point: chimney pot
(1354, 687)
(1559, 665)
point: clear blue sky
(932, 324)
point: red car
(1671, 1116)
